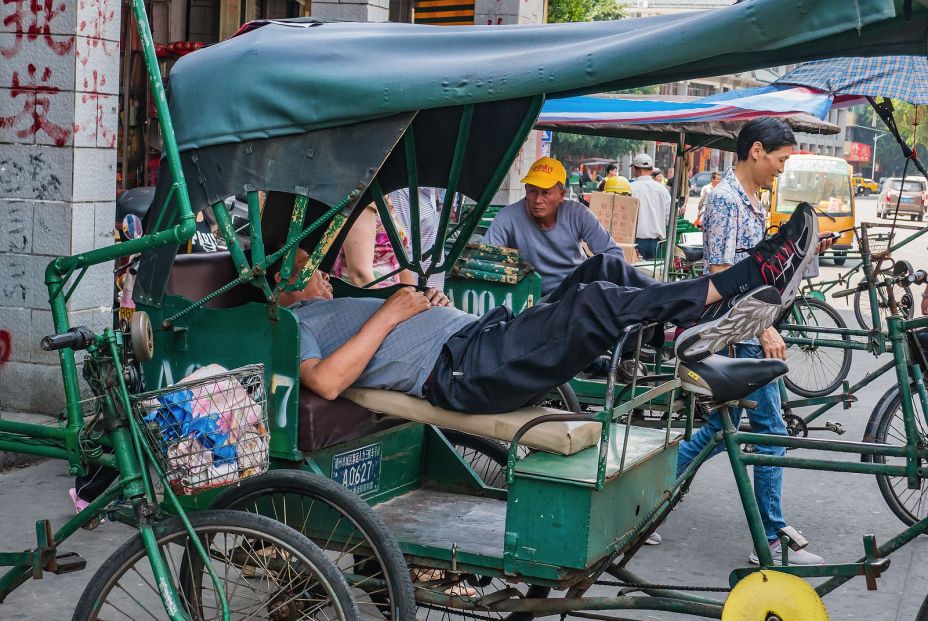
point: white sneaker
(802, 557)
(654, 539)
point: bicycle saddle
(730, 379)
(692, 253)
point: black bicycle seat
(692, 253)
(730, 379)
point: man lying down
(415, 342)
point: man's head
(544, 188)
(317, 287)
(715, 179)
(612, 170)
(642, 164)
(764, 145)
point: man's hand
(436, 297)
(824, 245)
(405, 303)
(773, 344)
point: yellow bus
(825, 183)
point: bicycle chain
(664, 587)
(457, 611)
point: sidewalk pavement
(9, 459)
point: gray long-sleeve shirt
(556, 252)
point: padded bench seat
(565, 438)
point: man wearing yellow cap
(547, 229)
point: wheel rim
(341, 539)
(911, 504)
(814, 370)
(481, 585)
(262, 577)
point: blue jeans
(766, 418)
(647, 248)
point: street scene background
(703, 539)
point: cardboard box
(617, 213)
(631, 253)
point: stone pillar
(506, 12)
(59, 79)
(352, 10)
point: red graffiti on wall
(35, 91)
(32, 19)
(6, 346)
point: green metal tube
(293, 234)
(917, 529)
(254, 225)
(20, 574)
(72, 393)
(798, 327)
(162, 573)
(245, 270)
(745, 490)
(837, 446)
(794, 340)
(389, 226)
(454, 178)
(801, 463)
(470, 224)
(865, 381)
(897, 341)
(623, 574)
(412, 181)
(32, 430)
(80, 277)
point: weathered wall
(59, 79)
(352, 10)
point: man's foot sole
(748, 317)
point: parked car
(910, 195)
(864, 186)
(698, 181)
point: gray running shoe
(802, 557)
(750, 315)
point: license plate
(358, 470)
(906, 199)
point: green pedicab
(370, 473)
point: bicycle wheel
(268, 571)
(815, 370)
(886, 427)
(862, 305)
(353, 537)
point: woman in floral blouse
(368, 255)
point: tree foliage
(888, 154)
(583, 10)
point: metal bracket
(873, 566)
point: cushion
(324, 423)
(194, 276)
(565, 438)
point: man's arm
(499, 233)
(328, 377)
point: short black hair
(770, 132)
(714, 175)
(610, 168)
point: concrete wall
(59, 79)
(352, 10)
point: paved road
(703, 539)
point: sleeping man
(415, 342)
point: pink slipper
(79, 503)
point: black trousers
(500, 362)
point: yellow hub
(773, 596)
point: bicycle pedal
(796, 540)
(834, 427)
(67, 562)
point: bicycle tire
(886, 427)
(306, 501)
(252, 537)
(923, 611)
(814, 370)
(862, 305)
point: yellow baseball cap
(617, 184)
(545, 173)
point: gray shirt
(556, 252)
(405, 358)
(429, 214)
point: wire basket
(209, 429)
(879, 238)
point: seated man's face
(317, 286)
(543, 203)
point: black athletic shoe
(785, 256)
(747, 317)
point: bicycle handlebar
(76, 338)
(918, 277)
